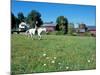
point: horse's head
(44, 29)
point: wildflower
(59, 63)
(55, 57)
(89, 61)
(44, 54)
(44, 64)
(52, 61)
(67, 67)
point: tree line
(34, 19)
(31, 19)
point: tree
(57, 27)
(21, 17)
(70, 28)
(13, 21)
(62, 24)
(34, 19)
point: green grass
(71, 53)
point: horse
(31, 32)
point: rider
(36, 26)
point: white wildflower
(44, 64)
(55, 57)
(52, 61)
(67, 67)
(59, 63)
(44, 54)
(89, 61)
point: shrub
(74, 34)
(87, 34)
(59, 33)
(51, 33)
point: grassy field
(52, 53)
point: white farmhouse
(23, 26)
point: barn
(49, 26)
(92, 30)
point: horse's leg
(32, 36)
(27, 34)
(39, 36)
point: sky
(50, 11)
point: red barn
(92, 30)
(49, 26)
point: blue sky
(50, 11)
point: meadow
(52, 53)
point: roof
(49, 24)
(91, 27)
(23, 25)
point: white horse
(31, 32)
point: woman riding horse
(36, 27)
